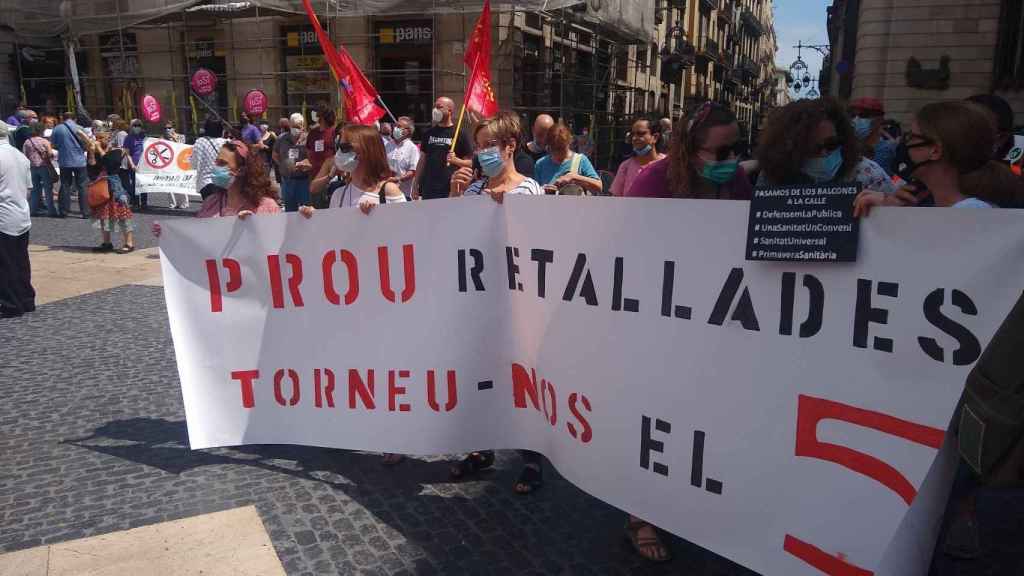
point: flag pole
(465, 96)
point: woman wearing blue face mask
(813, 142)
(497, 140)
(701, 161)
(646, 136)
(243, 185)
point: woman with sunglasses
(360, 156)
(950, 152)
(645, 135)
(701, 161)
(242, 186)
(813, 142)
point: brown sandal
(661, 552)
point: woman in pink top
(244, 186)
(645, 135)
(701, 161)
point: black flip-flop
(471, 464)
(126, 249)
(532, 478)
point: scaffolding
(545, 62)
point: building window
(1009, 61)
(641, 58)
(622, 63)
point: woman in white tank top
(361, 155)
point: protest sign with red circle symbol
(255, 102)
(159, 154)
(151, 111)
(204, 82)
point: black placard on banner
(803, 224)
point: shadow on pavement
(559, 530)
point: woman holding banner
(243, 186)
(701, 164)
(701, 161)
(949, 145)
(360, 154)
(813, 142)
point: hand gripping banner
(788, 416)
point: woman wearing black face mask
(701, 161)
(949, 147)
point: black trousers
(16, 293)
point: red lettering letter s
(588, 432)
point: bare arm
(319, 182)
(419, 178)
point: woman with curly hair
(701, 161)
(813, 142)
(244, 186)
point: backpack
(991, 419)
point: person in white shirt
(16, 294)
(403, 155)
(204, 155)
(360, 155)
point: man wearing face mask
(290, 154)
(867, 116)
(645, 136)
(1009, 147)
(438, 162)
(584, 144)
(403, 155)
(320, 140)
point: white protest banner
(165, 167)
(784, 415)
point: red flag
(360, 96)
(480, 96)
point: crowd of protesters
(952, 154)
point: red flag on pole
(480, 96)
(360, 96)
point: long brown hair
(787, 140)
(687, 139)
(368, 146)
(967, 133)
(254, 174)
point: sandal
(392, 459)
(530, 480)
(126, 249)
(471, 464)
(641, 543)
(105, 247)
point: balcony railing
(748, 68)
(708, 5)
(726, 10)
(709, 49)
(749, 21)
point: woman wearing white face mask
(360, 155)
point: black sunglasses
(830, 145)
(344, 147)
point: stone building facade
(911, 52)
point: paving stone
(93, 440)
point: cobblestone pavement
(75, 233)
(93, 440)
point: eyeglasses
(828, 146)
(344, 147)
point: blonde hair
(504, 127)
